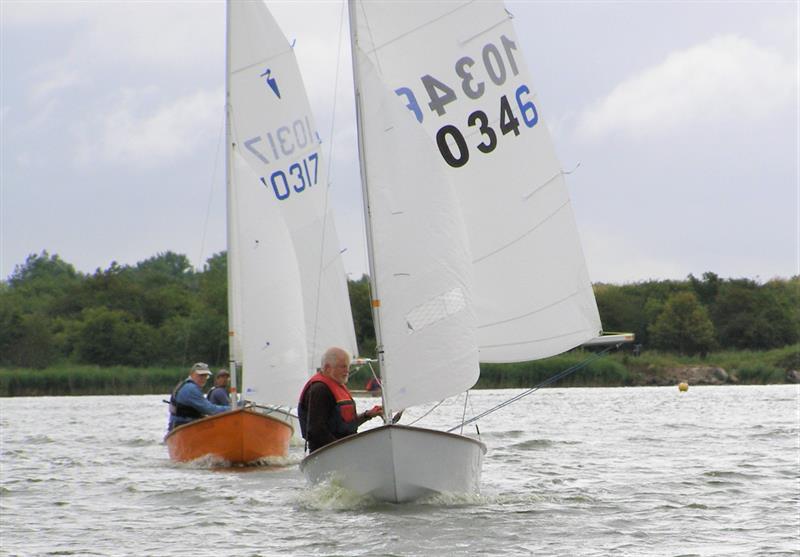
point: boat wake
(331, 496)
(455, 500)
(204, 462)
(214, 462)
(277, 461)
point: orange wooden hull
(240, 436)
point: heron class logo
(271, 82)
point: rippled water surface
(634, 471)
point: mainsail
(288, 297)
(459, 71)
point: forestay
(283, 237)
(459, 71)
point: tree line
(162, 311)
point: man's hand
(374, 411)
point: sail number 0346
(508, 124)
(440, 95)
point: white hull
(399, 463)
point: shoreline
(621, 369)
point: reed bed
(613, 370)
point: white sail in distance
(473, 96)
(273, 131)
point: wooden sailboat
(287, 289)
(474, 251)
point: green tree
(41, 282)
(706, 289)
(29, 302)
(35, 346)
(756, 317)
(683, 326)
(113, 337)
(361, 308)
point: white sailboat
(287, 295)
(474, 251)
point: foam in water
(215, 462)
(332, 496)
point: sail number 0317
(297, 178)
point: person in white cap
(187, 402)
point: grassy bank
(67, 379)
(613, 370)
(650, 368)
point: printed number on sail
(453, 145)
(440, 94)
(495, 64)
(296, 178)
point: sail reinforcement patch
(436, 309)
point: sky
(677, 120)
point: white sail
(421, 255)
(272, 129)
(273, 331)
(457, 68)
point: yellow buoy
(683, 387)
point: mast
(229, 200)
(375, 300)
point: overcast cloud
(680, 118)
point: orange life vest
(343, 422)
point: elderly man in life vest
(187, 402)
(326, 409)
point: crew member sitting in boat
(187, 402)
(219, 392)
(373, 386)
(326, 409)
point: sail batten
(533, 312)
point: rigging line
(435, 406)
(208, 216)
(322, 265)
(211, 191)
(378, 66)
(372, 41)
(523, 235)
(464, 413)
(548, 381)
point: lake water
(628, 471)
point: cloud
(728, 78)
(21, 13)
(616, 258)
(55, 81)
(133, 132)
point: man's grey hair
(333, 354)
